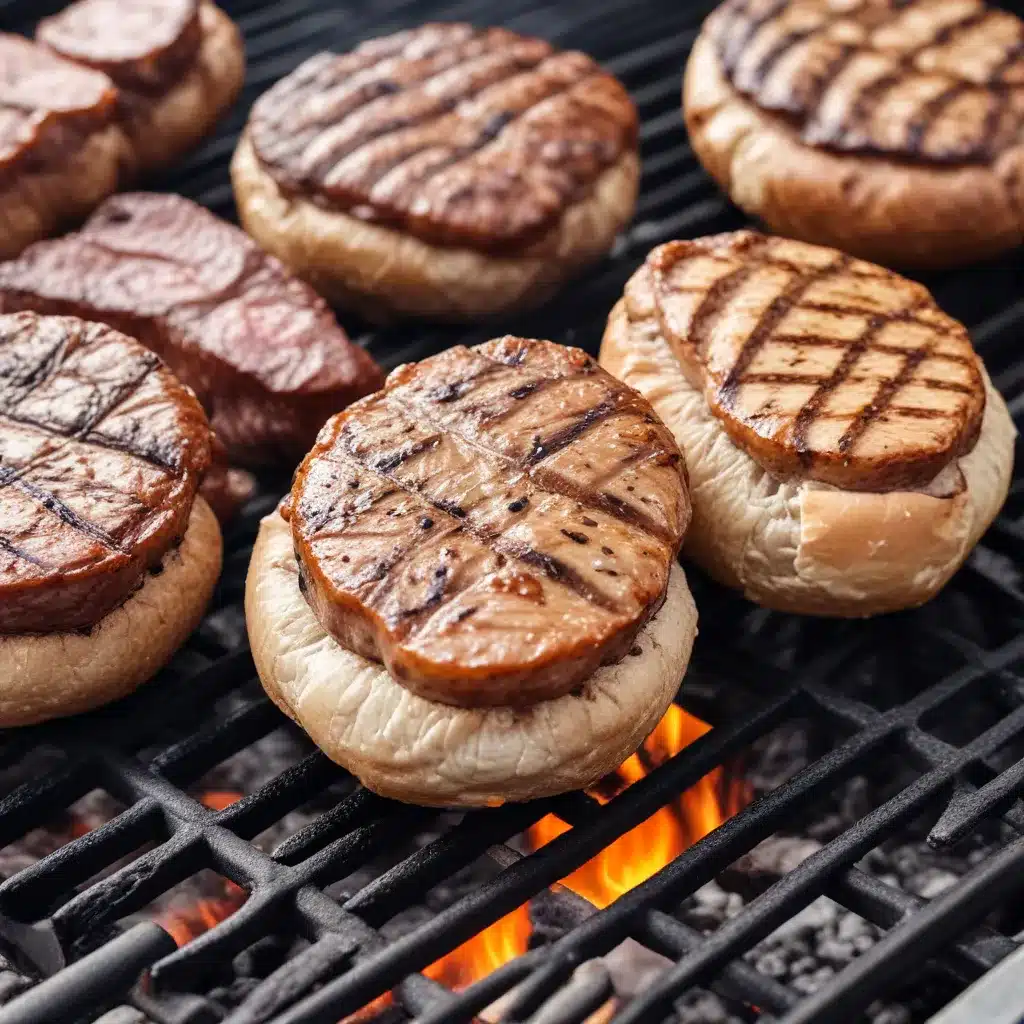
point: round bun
(385, 273)
(58, 674)
(188, 112)
(890, 212)
(802, 546)
(403, 746)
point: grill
(939, 691)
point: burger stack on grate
(471, 593)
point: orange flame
(186, 923)
(627, 862)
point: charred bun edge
(420, 751)
(801, 546)
(58, 674)
(385, 274)
(188, 112)
(882, 210)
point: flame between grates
(215, 868)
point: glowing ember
(486, 952)
(186, 922)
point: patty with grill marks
(101, 454)
(177, 64)
(894, 131)
(845, 446)
(261, 349)
(446, 170)
(494, 525)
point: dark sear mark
(523, 390)
(636, 650)
(511, 549)
(970, 119)
(776, 391)
(426, 523)
(607, 550)
(449, 392)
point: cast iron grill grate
(888, 688)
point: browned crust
(476, 138)
(877, 208)
(490, 566)
(819, 366)
(75, 396)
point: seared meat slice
(494, 525)
(261, 349)
(925, 80)
(819, 366)
(101, 453)
(456, 135)
(60, 149)
(143, 45)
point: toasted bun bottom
(384, 273)
(37, 202)
(420, 751)
(888, 211)
(801, 546)
(187, 113)
(57, 674)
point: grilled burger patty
(261, 349)
(101, 453)
(143, 45)
(458, 136)
(818, 365)
(494, 525)
(937, 81)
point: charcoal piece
(769, 861)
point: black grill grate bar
(471, 838)
(26, 806)
(887, 906)
(979, 891)
(798, 888)
(967, 808)
(516, 884)
(741, 982)
(37, 886)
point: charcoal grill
(893, 688)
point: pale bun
(403, 746)
(188, 112)
(802, 546)
(57, 674)
(386, 274)
(898, 214)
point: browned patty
(494, 525)
(459, 136)
(142, 45)
(101, 452)
(47, 105)
(935, 80)
(820, 366)
(261, 349)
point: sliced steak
(101, 452)
(457, 135)
(818, 365)
(143, 45)
(48, 107)
(494, 525)
(261, 349)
